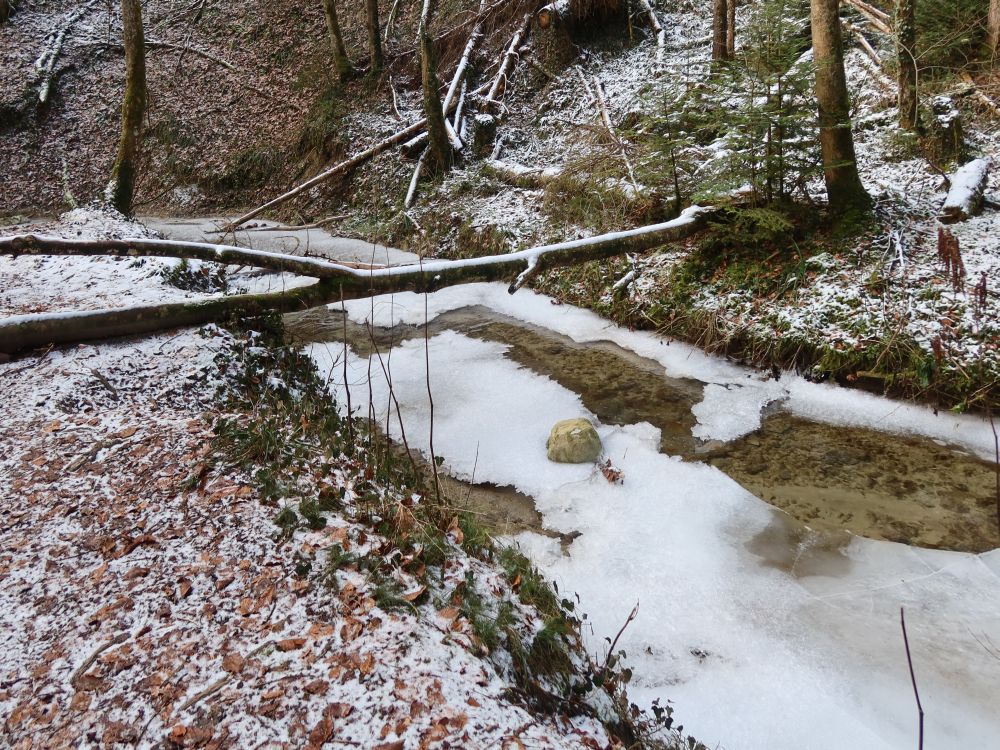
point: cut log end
(967, 195)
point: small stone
(574, 441)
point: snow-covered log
(968, 187)
(45, 65)
(338, 281)
(661, 35)
(24, 332)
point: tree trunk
(993, 27)
(720, 30)
(123, 175)
(440, 155)
(906, 51)
(337, 281)
(843, 185)
(731, 29)
(374, 39)
(345, 71)
(4, 11)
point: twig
(628, 621)
(89, 661)
(218, 685)
(996, 454)
(299, 227)
(430, 400)
(913, 678)
(347, 388)
(106, 383)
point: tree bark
(337, 282)
(440, 155)
(843, 185)
(731, 29)
(993, 27)
(720, 30)
(122, 188)
(342, 63)
(374, 39)
(906, 52)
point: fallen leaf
(448, 613)
(338, 710)
(233, 663)
(291, 644)
(317, 687)
(414, 594)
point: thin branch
(913, 678)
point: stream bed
(834, 478)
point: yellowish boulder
(574, 441)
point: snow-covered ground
(762, 633)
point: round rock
(574, 441)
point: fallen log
(606, 117)
(45, 65)
(654, 23)
(877, 18)
(978, 93)
(337, 281)
(341, 168)
(509, 60)
(24, 332)
(967, 194)
(152, 44)
(449, 99)
(596, 94)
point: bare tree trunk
(122, 187)
(993, 27)
(440, 155)
(4, 11)
(337, 281)
(345, 71)
(720, 30)
(731, 29)
(843, 185)
(374, 39)
(906, 51)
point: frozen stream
(763, 632)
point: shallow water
(904, 489)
